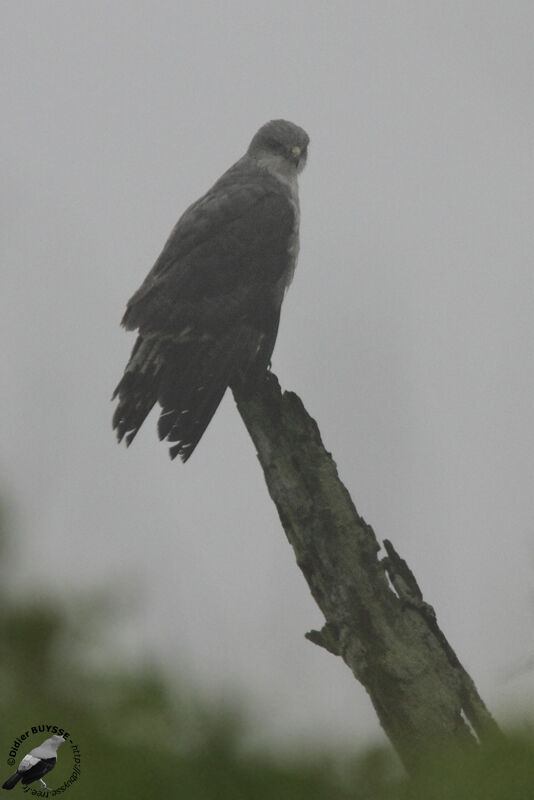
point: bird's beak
(299, 156)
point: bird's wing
(222, 258)
(27, 763)
(209, 309)
(40, 768)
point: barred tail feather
(137, 391)
(191, 391)
(187, 377)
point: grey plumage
(36, 763)
(207, 313)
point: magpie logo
(40, 744)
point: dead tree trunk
(376, 619)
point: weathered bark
(376, 619)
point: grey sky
(407, 331)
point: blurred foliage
(138, 738)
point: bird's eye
(296, 150)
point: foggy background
(407, 331)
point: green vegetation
(138, 738)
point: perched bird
(37, 763)
(207, 313)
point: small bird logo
(37, 763)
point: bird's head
(280, 145)
(55, 741)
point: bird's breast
(294, 242)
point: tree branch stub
(376, 618)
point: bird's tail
(191, 390)
(12, 781)
(187, 377)
(137, 390)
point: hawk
(207, 313)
